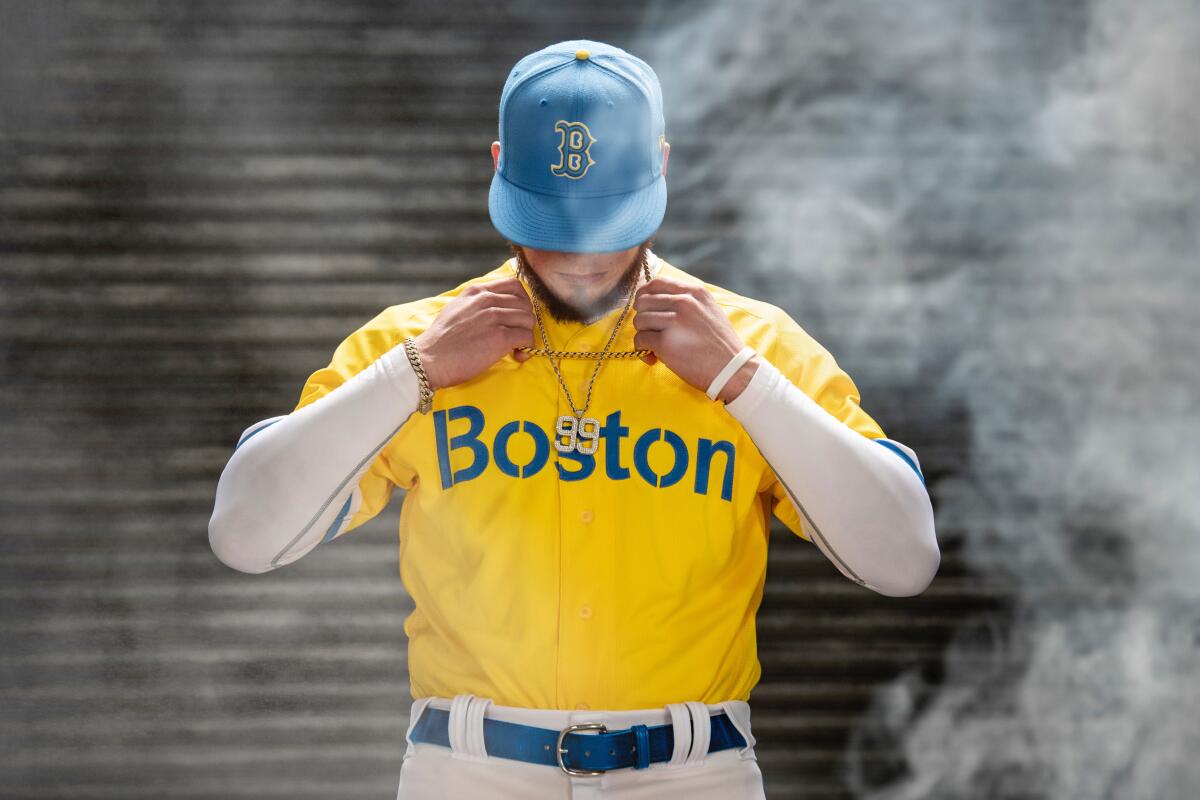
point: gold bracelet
(414, 358)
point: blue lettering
(541, 449)
(704, 453)
(612, 432)
(586, 461)
(470, 440)
(641, 450)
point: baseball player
(592, 443)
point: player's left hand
(684, 326)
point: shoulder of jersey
(754, 319)
(413, 317)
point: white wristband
(735, 363)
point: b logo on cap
(574, 157)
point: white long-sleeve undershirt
(292, 480)
(862, 501)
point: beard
(565, 311)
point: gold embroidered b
(574, 156)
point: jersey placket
(585, 575)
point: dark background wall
(987, 211)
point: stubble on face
(565, 311)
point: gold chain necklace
(582, 434)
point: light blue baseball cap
(581, 148)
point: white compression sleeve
(863, 504)
(290, 476)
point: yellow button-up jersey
(629, 578)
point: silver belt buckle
(579, 726)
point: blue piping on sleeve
(903, 455)
(246, 438)
(337, 523)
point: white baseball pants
(464, 771)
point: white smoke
(997, 206)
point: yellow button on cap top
(581, 54)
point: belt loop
(701, 731)
(414, 715)
(465, 727)
(681, 730)
(642, 734)
(475, 716)
(739, 712)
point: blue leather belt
(588, 753)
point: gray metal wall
(966, 202)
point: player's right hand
(479, 326)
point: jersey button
(582, 706)
(585, 612)
(586, 515)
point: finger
(663, 284)
(517, 337)
(495, 304)
(647, 340)
(509, 285)
(650, 358)
(659, 301)
(507, 300)
(654, 320)
(521, 355)
(509, 317)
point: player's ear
(666, 155)
(495, 155)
